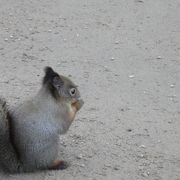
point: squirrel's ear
(48, 70)
(52, 77)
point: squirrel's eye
(72, 91)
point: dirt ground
(125, 57)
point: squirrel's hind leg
(58, 165)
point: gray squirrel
(29, 133)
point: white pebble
(80, 156)
(131, 76)
(159, 57)
(142, 146)
(145, 174)
(141, 155)
(145, 92)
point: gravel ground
(125, 57)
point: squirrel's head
(60, 86)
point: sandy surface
(125, 57)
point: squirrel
(29, 133)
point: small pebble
(145, 174)
(141, 155)
(172, 85)
(129, 130)
(80, 156)
(116, 42)
(131, 76)
(116, 168)
(170, 122)
(82, 165)
(6, 39)
(159, 57)
(142, 146)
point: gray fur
(35, 129)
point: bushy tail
(8, 156)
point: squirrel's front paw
(78, 104)
(59, 165)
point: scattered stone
(129, 130)
(112, 58)
(116, 168)
(145, 174)
(142, 146)
(145, 92)
(90, 156)
(141, 156)
(80, 156)
(172, 85)
(159, 57)
(116, 42)
(131, 76)
(82, 165)
(6, 39)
